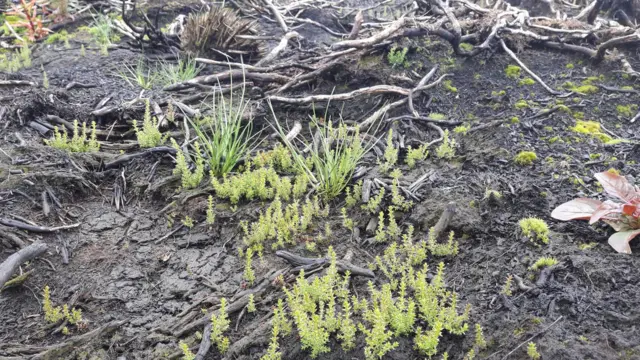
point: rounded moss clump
(591, 128)
(535, 228)
(513, 71)
(526, 81)
(525, 158)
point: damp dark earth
(320, 179)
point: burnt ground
(123, 267)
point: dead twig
(35, 228)
(9, 266)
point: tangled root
(217, 31)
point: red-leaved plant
(623, 216)
(32, 22)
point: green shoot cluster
(535, 229)
(55, 314)
(189, 179)
(262, 183)
(278, 158)
(12, 62)
(374, 202)
(280, 223)
(219, 324)
(408, 304)
(450, 248)
(211, 215)
(79, 141)
(187, 354)
(149, 136)
(390, 155)
(396, 57)
(506, 288)
(415, 155)
(447, 148)
(532, 351)
(399, 201)
(354, 195)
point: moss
(627, 110)
(521, 104)
(627, 88)
(543, 262)
(526, 81)
(569, 66)
(525, 158)
(595, 156)
(548, 128)
(498, 93)
(437, 116)
(466, 46)
(515, 120)
(578, 115)
(512, 71)
(535, 229)
(477, 76)
(462, 129)
(582, 89)
(447, 84)
(614, 171)
(555, 139)
(591, 128)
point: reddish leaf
(620, 240)
(628, 209)
(578, 209)
(603, 210)
(616, 185)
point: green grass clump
(513, 71)
(169, 74)
(396, 57)
(627, 110)
(526, 81)
(225, 139)
(333, 157)
(525, 158)
(149, 136)
(591, 128)
(543, 262)
(535, 229)
(102, 32)
(447, 148)
(79, 142)
(137, 75)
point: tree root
(9, 266)
(35, 228)
(57, 351)
(308, 264)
